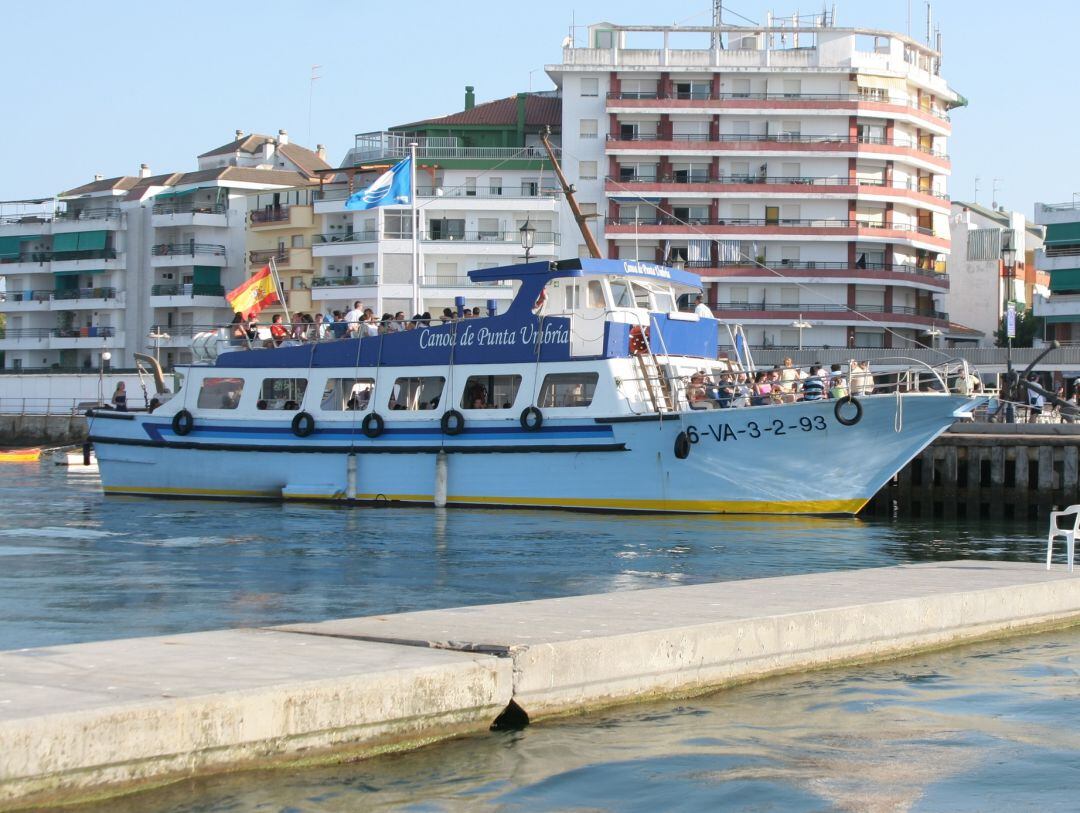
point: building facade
(801, 169)
(482, 175)
(1060, 258)
(136, 263)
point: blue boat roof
(587, 267)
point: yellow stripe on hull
(850, 506)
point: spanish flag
(252, 296)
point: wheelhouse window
(417, 394)
(568, 389)
(490, 391)
(621, 295)
(220, 393)
(347, 394)
(281, 393)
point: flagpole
(415, 229)
(280, 290)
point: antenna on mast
(976, 188)
(717, 21)
(993, 200)
(929, 21)
(311, 95)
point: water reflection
(81, 567)
(989, 727)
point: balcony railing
(335, 282)
(189, 208)
(85, 254)
(805, 308)
(1062, 251)
(786, 180)
(189, 249)
(782, 138)
(513, 236)
(93, 332)
(271, 214)
(380, 145)
(345, 237)
(446, 281)
(29, 296)
(280, 256)
(507, 191)
(85, 293)
(814, 223)
(937, 272)
(197, 289)
(26, 219)
(789, 97)
(99, 213)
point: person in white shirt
(701, 309)
(355, 317)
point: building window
(692, 89)
(397, 225)
(740, 88)
(792, 88)
(281, 393)
(587, 170)
(347, 394)
(590, 86)
(587, 128)
(490, 391)
(298, 241)
(220, 393)
(446, 229)
(416, 394)
(568, 390)
(495, 186)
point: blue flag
(392, 187)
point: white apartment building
(481, 177)
(817, 152)
(981, 279)
(136, 263)
(1060, 260)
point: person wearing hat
(701, 309)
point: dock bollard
(86, 453)
(440, 480)
(350, 477)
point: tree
(1028, 327)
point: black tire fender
(182, 422)
(303, 424)
(373, 425)
(531, 419)
(682, 446)
(452, 422)
(854, 419)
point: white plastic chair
(1068, 532)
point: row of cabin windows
(414, 394)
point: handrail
(96, 213)
(188, 208)
(280, 256)
(812, 223)
(334, 282)
(787, 97)
(187, 289)
(781, 138)
(345, 237)
(190, 249)
(789, 180)
(803, 307)
(513, 236)
(270, 214)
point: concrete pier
(98, 718)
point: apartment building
(281, 229)
(1060, 258)
(799, 167)
(136, 263)
(482, 176)
(992, 263)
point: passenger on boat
(725, 391)
(370, 326)
(339, 328)
(278, 331)
(318, 328)
(476, 312)
(253, 328)
(701, 309)
(789, 380)
(762, 389)
(838, 387)
(813, 388)
(862, 380)
(119, 397)
(355, 317)
(298, 332)
(238, 331)
(743, 391)
(696, 395)
(448, 316)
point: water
(992, 727)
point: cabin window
(641, 295)
(620, 294)
(419, 393)
(665, 302)
(281, 393)
(490, 391)
(568, 389)
(347, 394)
(220, 393)
(595, 296)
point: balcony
(187, 295)
(181, 213)
(279, 256)
(343, 243)
(165, 255)
(342, 288)
(103, 217)
(296, 216)
(436, 281)
(500, 239)
(764, 185)
(752, 227)
(778, 142)
(103, 259)
(378, 146)
(47, 338)
(1060, 307)
(785, 311)
(87, 298)
(823, 271)
(26, 301)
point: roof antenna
(311, 94)
(976, 189)
(717, 21)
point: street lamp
(1008, 312)
(105, 357)
(802, 325)
(157, 336)
(528, 238)
(933, 333)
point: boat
(575, 397)
(20, 455)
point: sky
(103, 87)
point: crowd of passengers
(782, 385)
(355, 323)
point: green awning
(66, 242)
(9, 247)
(78, 272)
(167, 195)
(1062, 320)
(1062, 233)
(1065, 280)
(28, 238)
(92, 240)
(206, 275)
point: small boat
(20, 455)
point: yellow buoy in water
(20, 455)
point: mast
(568, 190)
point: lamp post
(933, 333)
(802, 325)
(528, 238)
(1008, 309)
(105, 357)
(157, 336)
